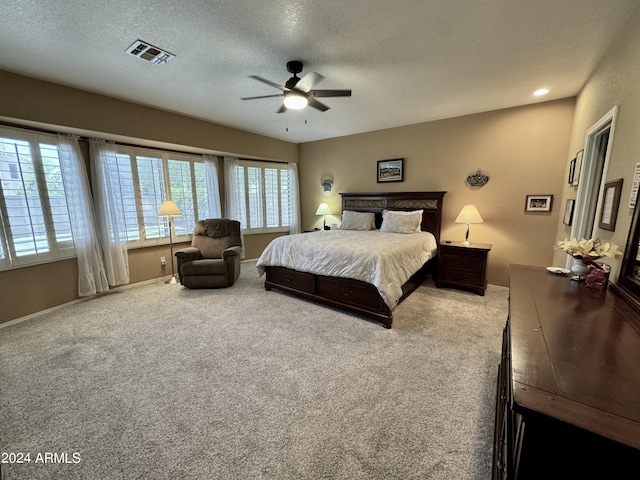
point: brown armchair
(213, 259)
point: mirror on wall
(628, 285)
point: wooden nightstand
(463, 266)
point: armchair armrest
(232, 252)
(232, 257)
(188, 254)
(184, 255)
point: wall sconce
(326, 180)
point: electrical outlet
(163, 261)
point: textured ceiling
(406, 61)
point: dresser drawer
(352, 292)
(305, 282)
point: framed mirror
(628, 286)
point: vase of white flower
(586, 251)
(579, 269)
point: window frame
(57, 249)
(164, 193)
(266, 203)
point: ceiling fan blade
(263, 96)
(269, 82)
(317, 105)
(329, 93)
(307, 82)
(282, 109)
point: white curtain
(109, 209)
(213, 187)
(92, 278)
(294, 199)
(233, 197)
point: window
(265, 188)
(34, 214)
(144, 179)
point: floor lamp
(170, 209)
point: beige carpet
(161, 382)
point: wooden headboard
(430, 202)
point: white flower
(592, 247)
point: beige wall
(30, 102)
(522, 150)
(615, 82)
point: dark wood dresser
(463, 266)
(568, 398)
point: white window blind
(35, 224)
(265, 188)
(147, 177)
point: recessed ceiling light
(541, 91)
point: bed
(372, 295)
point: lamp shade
(323, 209)
(169, 209)
(469, 214)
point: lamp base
(173, 280)
(466, 242)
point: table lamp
(170, 209)
(468, 214)
(324, 210)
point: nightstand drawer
(466, 263)
(463, 266)
(461, 276)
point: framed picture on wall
(568, 212)
(610, 204)
(572, 171)
(578, 167)
(538, 203)
(391, 170)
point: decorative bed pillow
(358, 220)
(401, 222)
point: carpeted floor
(161, 382)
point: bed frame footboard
(346, 294)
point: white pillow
(358, 220)
(401, 222)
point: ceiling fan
(298, 92)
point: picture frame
(578, 167)
(610, 204)
(572, 171)
(538, 203)
(568, 212)
(635, 186)
(390, 170)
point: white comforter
(386, 260)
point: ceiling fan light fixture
(295, 101)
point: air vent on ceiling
(148, 52)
